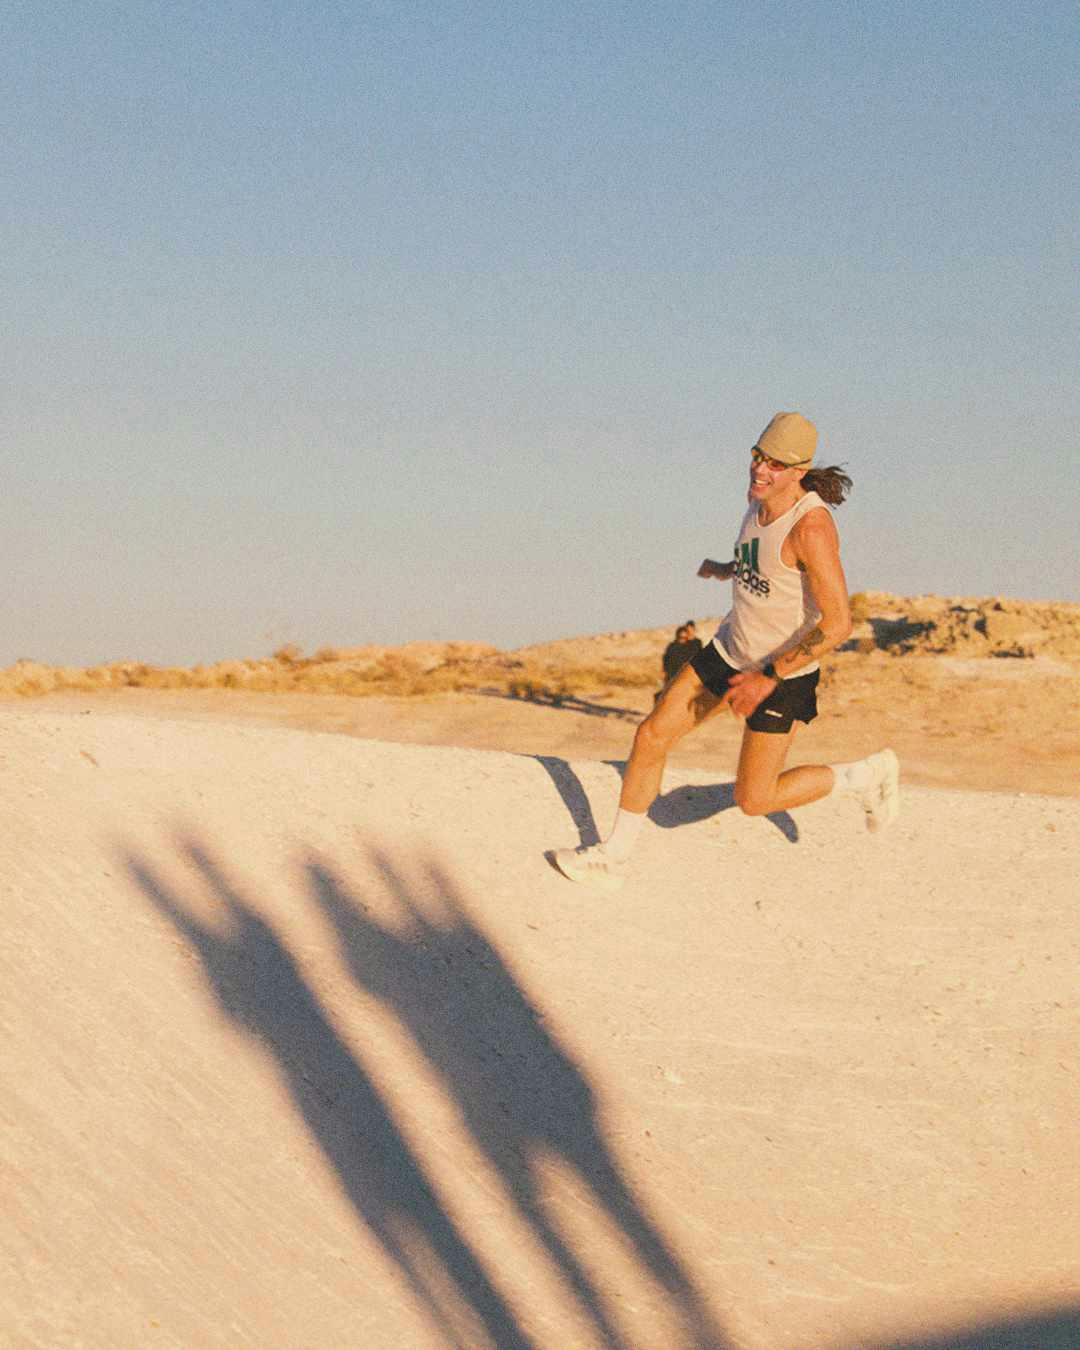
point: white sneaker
(590, 863)
(881, 800)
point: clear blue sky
(337, 322)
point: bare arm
(817, 552)
(718, 571)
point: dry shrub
(540, 692)
(387, 672)
(392, 669)
(27, 678)
(168, 677)
(860, 607)
(586, 669)
(638, 674)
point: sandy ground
(306, 1044)
(1010, 726)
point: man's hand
(747, 690)
(718, 571)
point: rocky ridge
(885, 625)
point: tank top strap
(806, 504)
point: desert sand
(977, 693)
(307, 1045)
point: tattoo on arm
(810, 641)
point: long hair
(832, 485)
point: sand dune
(307, 1045)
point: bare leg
(761, 785)
(684, 704)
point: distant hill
(899, 625)
(896, 625)
(959, 626)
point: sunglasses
(758, 456)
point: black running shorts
(793, 700)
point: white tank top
(773, 605)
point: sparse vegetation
(584, 668)
(861, 607)
(390, 672)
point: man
(790, 607)
(686, 645)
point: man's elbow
(837, 628)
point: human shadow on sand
(1058, 1330)
(687, 805)
(549, 698)
(574, 798)
(696, 802)
(259, 987)
(522, 1096)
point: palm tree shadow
(260, 989)
(519, 1092)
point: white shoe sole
(885, 807)
(568, 861)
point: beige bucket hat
(791, 438)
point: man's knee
(652, 739)
(752, 801)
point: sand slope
(307, 1045)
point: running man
(790, 607)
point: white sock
(620, 842)
(853, 777)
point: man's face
(768, 477)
